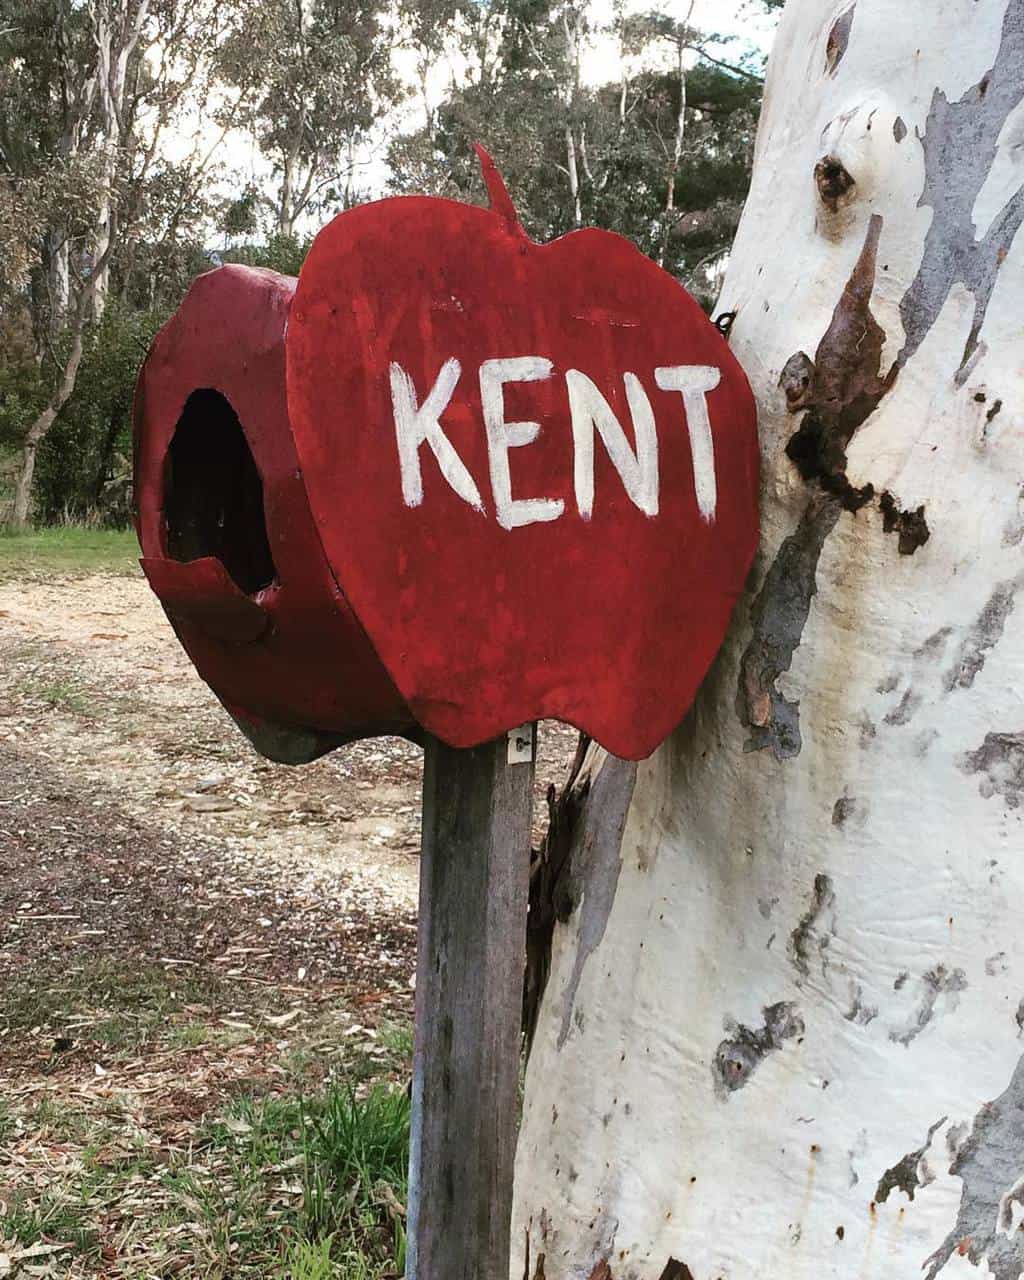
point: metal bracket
(520, 744)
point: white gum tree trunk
(783, 1032)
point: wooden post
(474, 892)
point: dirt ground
(180, 919)
(112, 748)
(93, 682)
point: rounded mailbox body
(229, 543)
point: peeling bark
(990, 1166)
(959, 141)
(551, 897)
(743, 1051)
(983, 635)
(860, 1013)
(845, 808)
(838, 39)
(845, 385)
(909, 1174)
(1000, 759)
(911, 527)
(779, 615)
(936, 983)
(839, 389)
(676, 1271)
(594, 863)
(808, 938)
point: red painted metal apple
(533, 468)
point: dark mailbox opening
(213, 494)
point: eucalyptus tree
(782, 1030)
(315, 79)
(88, 93)
(660, 154)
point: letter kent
(418, 423)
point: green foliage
(530, 96)
(83, 470)
(48, 183)
(312, 82)
(23, 393)
(241, 215)
(282, 253)
(54, 175)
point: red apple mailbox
(460, 481)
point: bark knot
(833, 180)
(745, 1048)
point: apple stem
(501, 201)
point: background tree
(85, 94)
(315, 78)
(782, 1029)
(612, 155)
(48, 88)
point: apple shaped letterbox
(460, 481)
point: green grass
(389, 1055)
(311, 1260)
(303, 1188)
(355, 1151)
(58, 1121)
(68, 1212)
(8, 1124)
(306, 1184)
(194, 1035)
(54, 1219)
(396, 1038)
(67, 551)
(115, 1006)
(59, 695)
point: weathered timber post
(474, 884)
